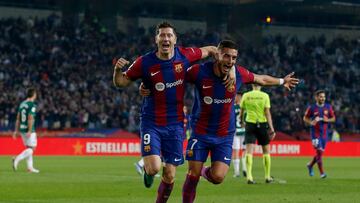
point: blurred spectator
(72, 70)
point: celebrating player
(213, 116)
(25, 124)
(161, 128)
(318, 116)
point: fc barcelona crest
(231, 88)
(178, 68)
(190, 153)
(147, 148)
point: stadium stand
(72, 68)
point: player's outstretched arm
(288, 81)
(119, 78)
(208, 51)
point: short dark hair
(228, 44)
(30, 92)
(165, 24)
(319, 92)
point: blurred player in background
(213, 115)
(319, 116)
(25, 125)
(238, 143)
(162, 127)
(256, 104)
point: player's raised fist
(120, 63)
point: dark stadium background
(66, 48)
(87, 129)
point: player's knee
(152, 169)
(217, 178)
(169, 177)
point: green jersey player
(25, 125)
(238, 143)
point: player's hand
(325, 119)
(28, 134)
(143, 91)
(121, 63)
(290, 82)
(271, 134)
(230, 79)
(316, 119)
(15, 134)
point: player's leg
(150, 151)
(315, 143)
(30, 142)
(172, 153)
(264, 140)
(196, 154)
(220, 160)
(250, 140)
(167, 183)
(152, 164)
(191, 181)
(243, 155)
(319, 152)
(249, 162)
(267, 163)
(216, 172)
(236, 158)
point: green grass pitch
(113, 179)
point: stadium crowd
(72, 69)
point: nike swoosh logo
(176, 159)
(152, 74)
(206, 87)
(227, 159)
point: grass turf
(114, 179)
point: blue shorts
(165, 141)
(319, 143)
(220, 148)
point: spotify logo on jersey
(208, 100)
(160, 86)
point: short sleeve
(32, 110)
(192, 73)
(134, 72)
(246, 75)
(192, 54)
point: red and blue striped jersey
(213, 111)
(320, 130)
(166, 81)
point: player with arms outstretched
(213, 115)
(319, 116)
(25, 125)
